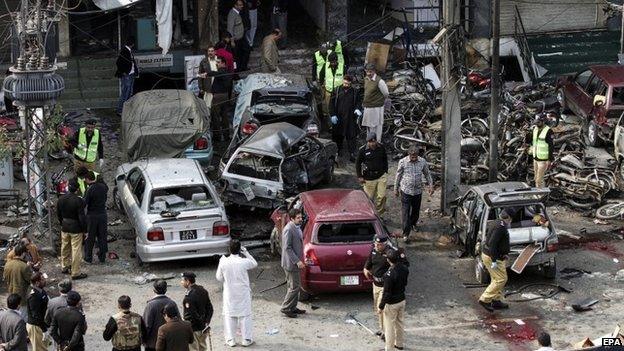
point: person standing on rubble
(331, 77)
(542, 147)
(494, 257)
(270, 53)
(88, 147)
(371, 167)
(207, 64)
(97, 218)
(344, 111)
(127, 71)
(319, 61)
(70, 210)
(375, 95)
(408, 185)
(236, 27)
(219, 89)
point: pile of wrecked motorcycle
(574, 177)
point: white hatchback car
(173, 208)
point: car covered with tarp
(277, 161)
(166, 123)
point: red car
(597, 95)
(338, 230)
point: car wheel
(481, 273)
(562, 100)
(591, 135)
(550, 269)
(329, 173)
(274, 243)
(304, 295)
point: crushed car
(165, 124)
(477, 211)
(277, 161)
(173, 208)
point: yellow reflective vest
(82, 185)
(333, 80)
(540, 146)
(87, 153)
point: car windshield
(179, 199)
(346, 232)
(256, 166)
(617, 97)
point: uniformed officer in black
(375, 267)
(197, 310)
(371, 168)
(494, 256)
(392, 303)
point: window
(133, 177)
(617, 97)
(182, 198)
(468, 201)
(256, 166)
(582, 78)
(595, 86)
(139, 190)
(346, 232)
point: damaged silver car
(279, 160)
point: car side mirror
(121, 177)
(599, 100)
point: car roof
(167, 172)
(338, 205)
(611, 74)
(274, 138)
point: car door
(463, 212)
(132, 195)
(595, 86)
(575, 90)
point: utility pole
(33, 86)
(451, 110)
(496, 91)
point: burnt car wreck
(279, 160)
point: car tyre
(550, 269)
(591, 134)
(481, 273)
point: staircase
(563, 53)
(89, 83)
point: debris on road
(584, 305)
(150, 277)
(272, 331)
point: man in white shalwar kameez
(232, 271)
(375, 95)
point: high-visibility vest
(338, 51)
(128, 334)
(332, 80)
(320, 63)
(540, 146)
(84, 152)
(82, 185)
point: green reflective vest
(338, 51)
(82, 185)
(332, 80)
(540, 146)
(84, 152)
(320, 63)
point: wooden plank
(523, 259)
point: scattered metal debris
(584, 305)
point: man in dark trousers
(292, 262)
(69, 325)
(542, 148)
(88, 147)
(494, 258)
(153, 314)
(97, 219)
(125, 328)
(344, 111)
(393, 301)
(13, 334)
(60, 301)
(37, 307)
(175, 334)
(371, 167)
(220, 89)
(127, 71)
(279, 19)
(236, 27)
(70, 211)
(197, 310)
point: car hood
(273, 139)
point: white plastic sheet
(164, 18)
(113, 4)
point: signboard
(191, 71)
(154, 60)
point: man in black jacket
(494, 258)
(371, 167)
(153, 314)
(220, 91)
(127, 70)
(37, 307)
(125, 328)
(69, 325)
(97, 219)
(344, 111)
(13, 334)
(197, 310)
(393, 301)
(70, 211)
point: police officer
(97, 218)
(392, 303)
(375, 267)
(37, 306)
(88, 146)
(331, 78)
(125, 328)
(81, 175)
(318, 63)
(371, 167)
(542, 146)
(494, 258)
(197, 310)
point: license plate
(349, 280)
(249, 194)
(188, 234)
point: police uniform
(36, 325)
(495, 250)
(393, 304)
(198, 311)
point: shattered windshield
(256, 166)
(179, 199)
